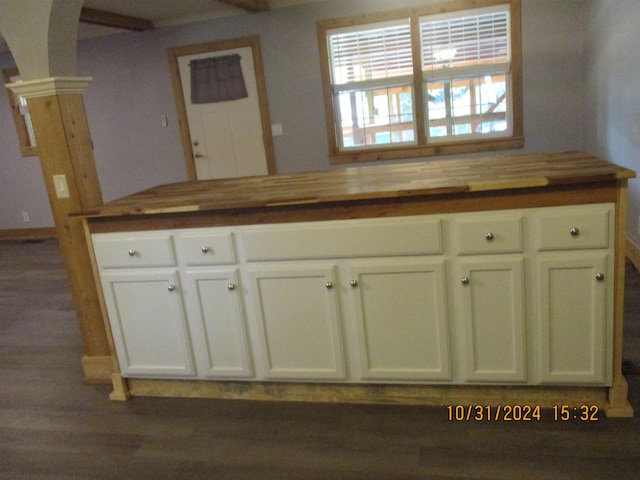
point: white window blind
(382, 50)
(480, 37)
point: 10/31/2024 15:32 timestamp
(521, 413)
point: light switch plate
(60, 183)
(276, 129)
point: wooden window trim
(422, 148)
(26, 149)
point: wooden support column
(66, 155)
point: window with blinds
(466, 64)
(423, 81)
(372, 78)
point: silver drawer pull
(489, 236)
(465, 280)
(353, 283)
(132, 253)
(231, 286)
(574, 232)
(600, 276)
(205, 249)
(329, 285)
(171, 288)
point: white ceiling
(164, 12)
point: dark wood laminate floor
(53, 427)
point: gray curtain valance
(217, 79)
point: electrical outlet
(25, 217)
(60, 183)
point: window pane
(467, 106)
(477, 38)
(380, 51)
(376, 116)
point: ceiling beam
(249, 5)
(108, 19)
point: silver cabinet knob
(196, 143)
(132, 253)
(600, 276)
(231, 286)
(204, 249)
(329, 285)
(353, 283)
(198, 155)
(574, 232)
(489, 236)
(464, 280)
(171, 288)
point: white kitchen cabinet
(573, 313)
(574, 289)
(519, 296)
(217, 320)
(401, 317)
(143, 299)
(148, 322)
(296, 310)
(492, 324)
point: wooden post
(619, 405)
(66, 156)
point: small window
(372, 83)
(423, 82)
(21, 116)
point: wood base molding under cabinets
(27, 234)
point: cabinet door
(493, 319)
(148, 323)
(296, 307)
(216, 317)
(401, 316)
(572, 315)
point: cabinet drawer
(340, 239)
(488, 234)
(133, 251)
(206, 248)
(573, 228)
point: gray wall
(131, 90)
(612, 99)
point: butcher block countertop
(451, 176)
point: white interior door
(226, 137)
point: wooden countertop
(498, 172)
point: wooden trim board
(28, 234)
(433, 395)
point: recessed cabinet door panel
(572, 317)
(494, 319)
(401, 317)
(296, 307)
(217, 320)
(148, 323)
